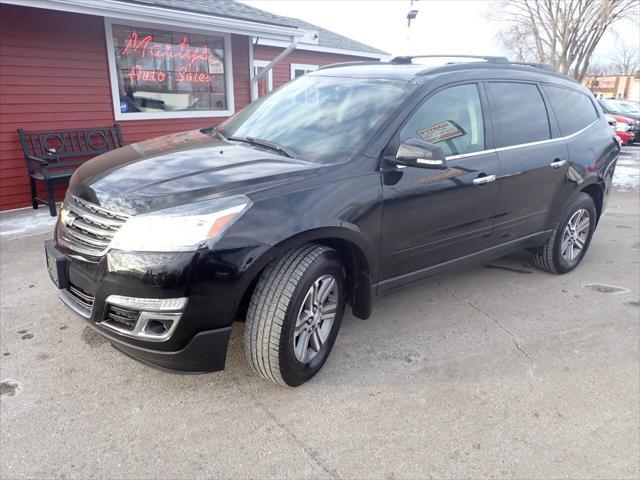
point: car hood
(180, 168)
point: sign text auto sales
(187, 55)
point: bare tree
(597, 69)
(626, 58)
(563, 33)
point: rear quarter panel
(592, 157)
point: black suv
(341, 185)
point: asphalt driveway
(497, 371)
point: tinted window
(520, 115)
(451, 119)
(573, 110)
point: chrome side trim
(470, 154)
(551, 140)
(521, 145)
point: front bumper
(211, 281)
(205, 352)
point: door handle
(484, 180)
(557, 163)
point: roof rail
(543, 66)
(409, 58)
(346, 64)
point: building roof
(238, 10)
(327, 38)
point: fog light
(151, 304)
(158, 327)
(156, 321)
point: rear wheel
(295, 314)
(571, 237)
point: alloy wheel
(315, 318)
(574, 237)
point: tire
(550, 257)
(275, 333)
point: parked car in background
(612, 124)
(619, 107)
(629, 106)
(315, 197)
(623, 128)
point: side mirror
(420, 154)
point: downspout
(262, 74)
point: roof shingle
(238, 10)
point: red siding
(54, 75)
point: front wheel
(571, 237)
(295, 314)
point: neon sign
(183, 52)
(164, 50)
(136, 73)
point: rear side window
(520, 115)
(573, 110)
(451, 119)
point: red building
(153, 66)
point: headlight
(622, 127)
(187, 227)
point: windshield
(628, 106)
(317, 116)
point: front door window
(451, 119)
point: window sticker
(442, 131)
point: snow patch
(25, 223)
(627, 172)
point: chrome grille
(88, 228)
(121, 317)
(80, 296)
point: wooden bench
(52, 156)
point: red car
(623, 128)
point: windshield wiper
(265, 143)
(217, 131)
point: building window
(160, 73)
(299, 69)
(265, 84)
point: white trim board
(302, 66)
(264, 63)
(268, 42)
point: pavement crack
(514, 338)
(311, 453)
